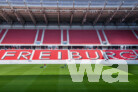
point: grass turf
(32, 78)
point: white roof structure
(69, 12)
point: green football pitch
(35, 78)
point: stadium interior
(29, 27)
(68, 39)
(68, 24)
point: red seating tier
(27, 36)
(64, 35)
(19, 36)
(52, 37)
(121, 37)
(83, 37)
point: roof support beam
(19, 18)
(84, 18)
(72, 13)
(108, 20)
(5, 17)
(58, 18)
(86, 13)
(43, 11)
(58, 12)
(123, 19)
(99, 15)
(30, 13)
(16, 14)
(45, 18)
(71, 18)
(69, 10)
(32, 17)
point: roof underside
(69, 12)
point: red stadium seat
(52, 37)
(121, 37)
(19, 36)
(27, 36)
(83, 37)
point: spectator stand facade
(60, 38)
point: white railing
(3, 35)
(42, 37)
(99, 36)
(36, 36)
(105, 37)
(1, 30)
(61, 36)
(67, 36)
(135, 34)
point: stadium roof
(69, 12)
